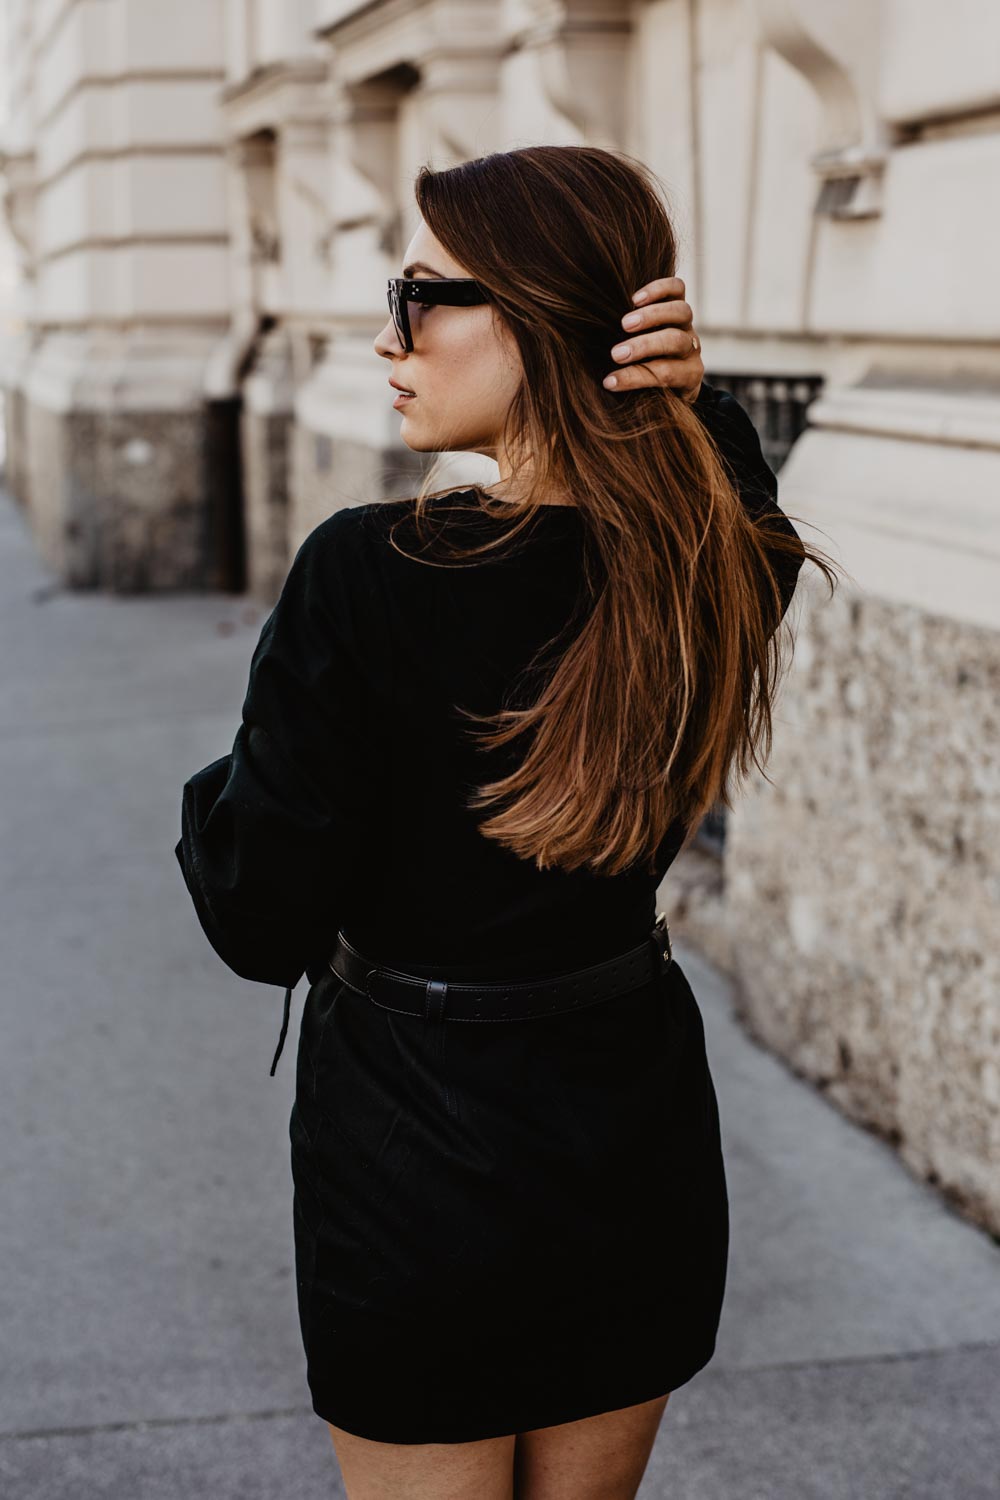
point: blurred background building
(206, 199)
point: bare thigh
(596, 1458)
(425, 1471)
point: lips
(402, 389)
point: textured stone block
(863, 886)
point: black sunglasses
(446, 291)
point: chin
(417, 444)
(420, 442)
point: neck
(503, 491)
(514, 487)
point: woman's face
(464, 369)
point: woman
(511, 1238)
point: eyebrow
(421, 265)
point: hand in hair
(658, 345)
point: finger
(674, 343)
(663, 286)
(681, 373)
(657, 315)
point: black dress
(497, 1227)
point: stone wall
(862, 888)
(16, 444)
(266, 441)
(121, 500)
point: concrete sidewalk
(149, 1326)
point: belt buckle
(661, 936)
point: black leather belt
(443, 999)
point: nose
(388, 344)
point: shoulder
(353, 531)
(338, 538)
(346, 572)
(341, 552)
(378, 539)
(328, 592)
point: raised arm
(659, 346)
(737, 440)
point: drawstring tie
(284, 1026)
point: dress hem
(569, 1412)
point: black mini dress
(498, 1227)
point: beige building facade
(207, 198)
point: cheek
(480, 371)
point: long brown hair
(666, 692)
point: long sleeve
(737, 440)
(271, 832)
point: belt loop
(437, 992)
